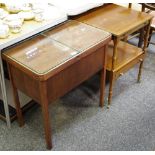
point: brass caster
(138, 81)
(108, 107)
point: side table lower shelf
(127, 56)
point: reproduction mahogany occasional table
(45, 67)
(120, 22)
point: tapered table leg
(45, 112)
(16, 99)
(146, 38)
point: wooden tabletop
(42, 56)
(115, 19)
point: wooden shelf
(125, 54)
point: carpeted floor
(79, 124)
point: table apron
(133, 30)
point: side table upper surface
(114, 19)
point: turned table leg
(112, 73)
(146, 37)
(140, 71)
(45, 112)
(111, 84)
(141, 38)
(103, 77)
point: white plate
(26, 15)
(3, 13)
(4, 31)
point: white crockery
(4, 31)
(13, 7)
(39, 15)
(1, 22)
(14, 22)
(26, 15)
(27, 7)
(15, 26)
(3, 13)
(13, 17)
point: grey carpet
(79, 124)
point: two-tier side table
(120, 22)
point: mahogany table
(50, 65)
